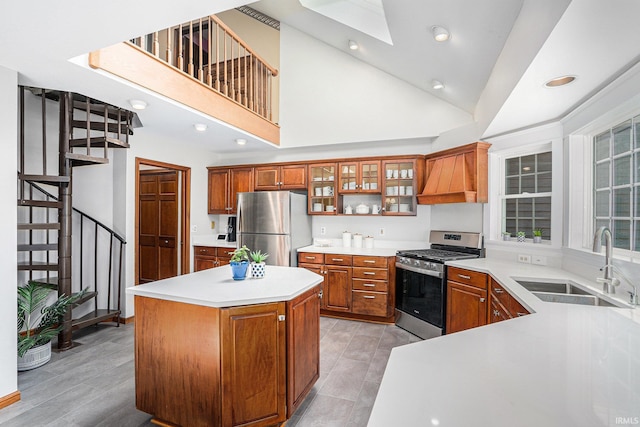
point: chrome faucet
(608, 281)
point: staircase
(86, 130)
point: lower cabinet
(503, 305)
(355, 286)
(205, 257)
(238, 366)
(467, 300)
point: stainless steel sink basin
(568, 293)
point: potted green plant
(506, 236)
(39, 323)
(239, 263)
(258, 264)
(520, 235)
(537, 236)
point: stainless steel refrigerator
(275, 222)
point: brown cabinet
(322, 189)
(358, 287)
(457, 175)
(399, 186)
(467, 300)
(224, 186)
(206, 366)
(205, 257)
(359, 177)
(281, 177)
(503, 305)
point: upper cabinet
(457, 175)
(224, 186)
(359, 177)
(281, 177)
(399, 186)
(322, 184)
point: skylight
(366, 16)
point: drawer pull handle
(463, 276)
(498, 291)
(521, 314)
(371, 285)
(337, 259)
(369, 261)
(310, 257)
(369, 273)
(368, 297)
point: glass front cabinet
(322, 189)
(399, 187)
(359, 177)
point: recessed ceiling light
(200, 127)
(353, 45)
(241, 141)
(437, 84)
(560, 81)
(137, 104)
(440, 34)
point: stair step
(84, 160)
(99, 109)
(94, 317)
(86, 297)
(98, 142)
(112, 127)
(39, 226)
(38, 247)
(36, 266)
(46, 179)
(40, 203)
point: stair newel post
(64, 216)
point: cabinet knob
(481, 299)
(166, 242)
(496, 313)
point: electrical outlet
(213, 225)
(539, 260)
(524, 258)
(381, 231)
(194, 228)
(323, 230)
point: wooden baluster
(200, 64)
(251, 67)
(269, 96)
(190, 66)
(262, 89)
(224, 59)
(232, 91)
(168, 53)
(244, 78)
(209, 34)
(156, 45)
(217, 57)
(180, 50)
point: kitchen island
(562, 365)
(211, 351)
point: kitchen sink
(568, 293)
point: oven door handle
(437, 274)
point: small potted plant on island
(258, 264)
(506, 236)
(239, 263)
(537, 236)
(520, 235)
(39, 323)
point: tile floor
(93, 383)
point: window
(526, 203)
(616, 183)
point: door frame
(185, 211)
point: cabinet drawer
(370, 285)
(370, 303)
(204, 250)
(225, 252)
(500, 293)
(310, 258)
(370, 273)
(334, 259)
(516, 309)
(468, 277)
(369, 261)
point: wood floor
(93, 383)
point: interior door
(158, 239)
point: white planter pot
(35, 357)
(521, 238)
(506, 237)
(537, 239)
(257, 270)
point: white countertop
(215, 287)
(211, 240)
(381, 248)
(563, 365)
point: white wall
(9, 138)
(329, 96)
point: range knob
(416, 263)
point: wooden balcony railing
(209, 51)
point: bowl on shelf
(404, 207)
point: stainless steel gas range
(421, 280)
